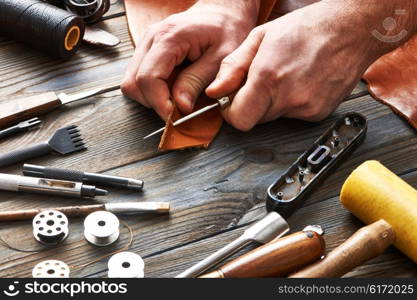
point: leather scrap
(392, 80)
(200, 131)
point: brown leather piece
(392, 80)
(200, 131)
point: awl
(222, 103)
(33, 106)
(84, 210)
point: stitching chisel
(33, 106)
(222, 103)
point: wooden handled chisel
(33, 106)
(277, 258)
(367, 243)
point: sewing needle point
(223, 102)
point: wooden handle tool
(84, 210)
(367, 243)
(276, 258)
(33, 106)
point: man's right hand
(204, 34)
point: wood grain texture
(214, 194)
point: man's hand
(204, 34)
(303, 64)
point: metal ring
(126, 265)
(51, 269)
(101, 228)
(50, 227)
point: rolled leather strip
(392, 80)
(200, 131)
(41, 25)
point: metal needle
(222, 102)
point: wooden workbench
(215, 194)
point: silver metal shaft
(65, 99)
(270, 227)
(223, 102)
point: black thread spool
(41, 25)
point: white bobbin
(101, 228)
(51, 269)
(50, 227)
(126, 265)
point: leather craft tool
(222, 103)
(91, 11)
(33, 106)
(51, 269)
(367, 243)
(79, 176)
(42, 25)
(64, 141)
(101, 228)
(265, 230)
(50, 227)
(21, 127)
(276, 258)
(291, 188)
(17, 183)
(372, 192)
(126, 265)
(84, 210)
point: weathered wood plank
(237, 169)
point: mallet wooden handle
(276, 258)
(367, 243)
(24, 108)
(69, 211)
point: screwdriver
(222, 103)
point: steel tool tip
(135, 184)
(101, 192)
(154, 133)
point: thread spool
(50, 227)
(51, 269)
(48, 28)
(126, 265)
(372, 192)
(101, 228)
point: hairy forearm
(248, 9)
(386, 23)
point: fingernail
(187, 99)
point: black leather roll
(46, 27)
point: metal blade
(65, 99)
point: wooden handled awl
(276, 258)
(84, 210)
(34, 106)
(367, 243)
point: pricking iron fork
(64, 141)
(21, 127)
